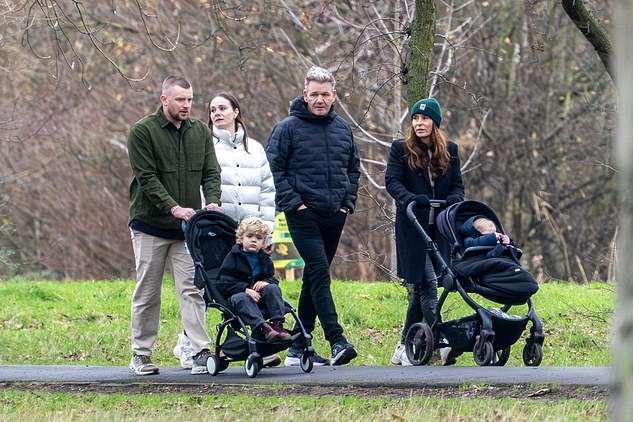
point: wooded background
(525, 95)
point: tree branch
(592, 30)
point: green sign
(285, 254)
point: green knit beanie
(429, 107)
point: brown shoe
(278, 325)
(268, 333)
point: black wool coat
(236, 275)
(403, 184)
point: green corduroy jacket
(169, 165)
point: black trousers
(270, 306)
(422, 299)
(316, 237)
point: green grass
(244, 407)
(47, 322)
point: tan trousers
(152, 255)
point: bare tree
(523, 94)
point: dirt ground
(523, 392)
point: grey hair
(318, 74)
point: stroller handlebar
(436, 203)
(433, 203)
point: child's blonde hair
(484, 226)
(252, 225)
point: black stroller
(209, 236)
(490, 332)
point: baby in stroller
(247, 280)
(483, 261)
(481, 231)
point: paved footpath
(359, 376)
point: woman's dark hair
(239, 119)
(418, 157)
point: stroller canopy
(451, 219)
(209, 236)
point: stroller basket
(461, 333)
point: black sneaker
(294, 355)
(343, 353)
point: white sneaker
(293, 358)
(399, 356)
(448, 357)
(182, 351)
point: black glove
(422, 200)
(452, 199)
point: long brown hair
(417, 152)
(235, 105)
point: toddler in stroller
(244, 290)
(483, 261)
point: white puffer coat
(248, 189)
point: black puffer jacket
(314, 161)
(236, 276)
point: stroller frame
(234, 342)
(488, 334)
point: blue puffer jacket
(314, 161)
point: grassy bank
(88, 322)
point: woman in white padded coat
(248, 189)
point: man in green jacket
(171, 156)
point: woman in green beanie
(421, 167)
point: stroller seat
(209, 236)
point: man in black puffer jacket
(315, 165)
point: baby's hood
(467, 229)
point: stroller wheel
(482, 352)
(532, 354)
(500, 357)
(418, 343)
(213, 365)
(307, 362)
(251, 366)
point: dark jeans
(422, 299)
(316, 237)
(270, 306)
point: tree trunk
(421, 59)
(624, 314)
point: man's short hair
(318, 74)
(172, 80)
